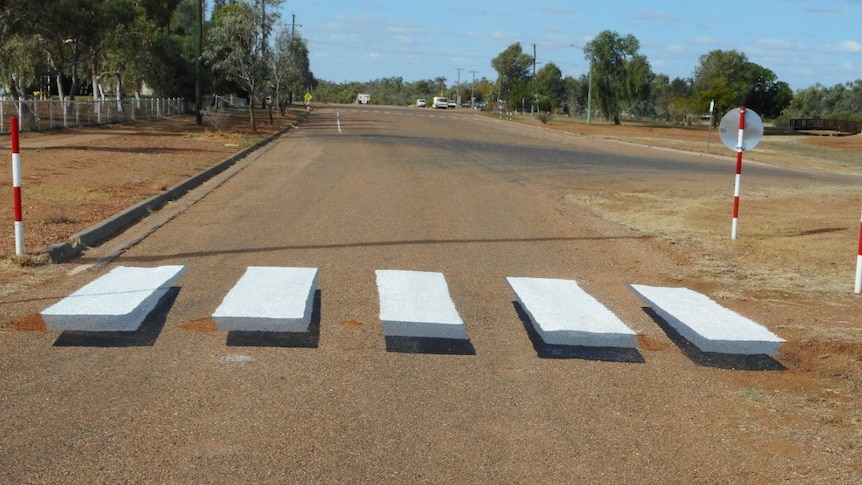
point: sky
(803, 41)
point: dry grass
(782, 244)
(26, 271)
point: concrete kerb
(110, 227)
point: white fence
(47, 114)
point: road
(357, 189)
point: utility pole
(262, 49)
(293, 25)
(198, 87)
(535, 96)
(458, 89)
(472, 88)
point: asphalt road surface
(357, 189)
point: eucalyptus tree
(79, 38)
(731, 80)
(66, 31)
(172, 54)
(122, 52)
(236, 48)
(513, 68)
(20, 63)
(621, 75)
(551, 87)
(291, 65)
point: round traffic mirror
(728, 129)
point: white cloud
(850, 47)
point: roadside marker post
(736, 186)
(858, 287)
(711, 121)
(16, 188)
(740, 129)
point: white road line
(417, 304)
(269, 299)
(706, 324)
(564, 314)
(118, 301)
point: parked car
(420, 102)
(452, 104)
(440, 102)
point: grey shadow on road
(309, 339)
(714, 359)
(428, 345)
(144, 336)
(369, 244)
(556, 351)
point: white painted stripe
(117, 301)
(417, 304)
(19, 238)
(269, 299)
(706, 324)
(857, 287)
(16, 170)
(564, 314)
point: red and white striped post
(16, 189)
(739, 148)
(858, 288)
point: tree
(621, 76)
(235, 48)
(122, 52)
(731, 80)
(842, 101)
(19, 56)
(291, 64)
(484, 90)
(676, 100)
(767, 96)
(170, 70)
(720, 77)
(551, 88)
(513, 69)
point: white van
(363, 98)
(440, 102)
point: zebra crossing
(116, 302)
(269, 299)
(413, 304)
